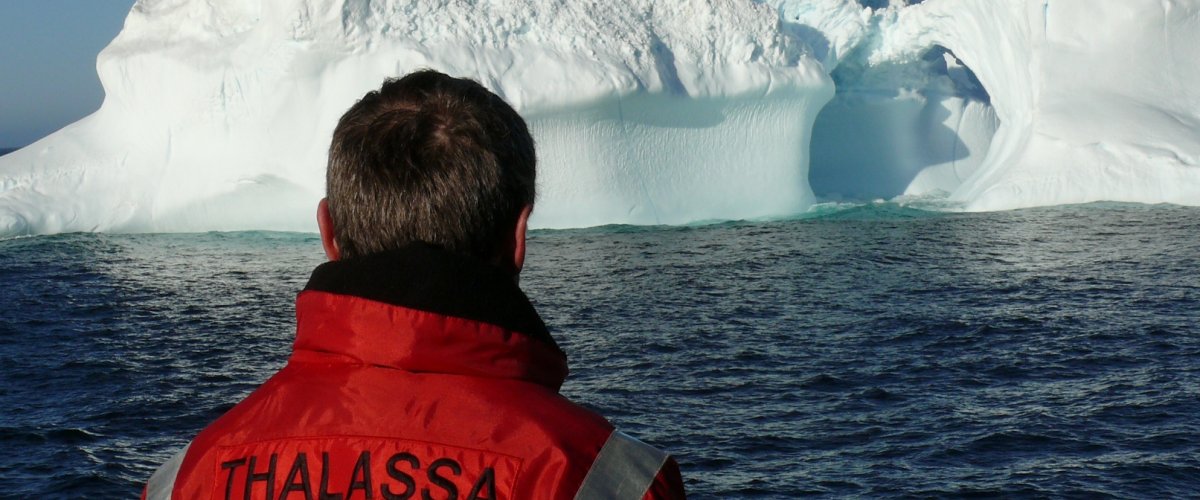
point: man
(420, 369)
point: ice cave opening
(917, 127)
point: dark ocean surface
(869, 350)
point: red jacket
(415, 374)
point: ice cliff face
(218, 114)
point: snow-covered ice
(218, 114)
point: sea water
(867, 350)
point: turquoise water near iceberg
(864, 350)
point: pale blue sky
(48, 63)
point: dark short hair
(429, 158)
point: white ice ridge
(218, 114)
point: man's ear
(518, 257)
(328, 236)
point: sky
(48, 54)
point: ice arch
(910, 127)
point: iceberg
(217, 114)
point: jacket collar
(423, 309)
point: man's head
(433, 159)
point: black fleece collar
(427, 278)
